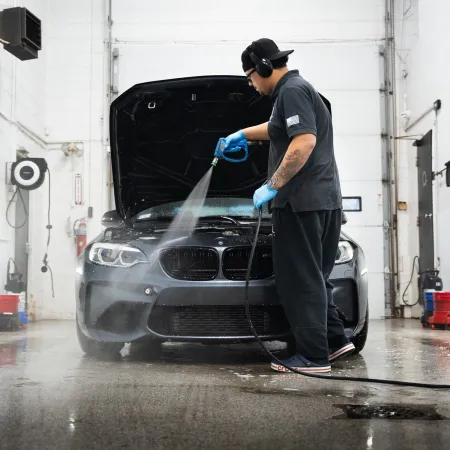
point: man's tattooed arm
(295, 158)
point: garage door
(347, 73)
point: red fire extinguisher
(81, 235)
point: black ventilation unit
(22, 30)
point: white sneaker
(336, 353)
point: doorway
(425, 218)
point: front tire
(96, 348)
(360, 340)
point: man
(304, 189)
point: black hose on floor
(323, 377)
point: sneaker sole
(279, 368)
(341, 352)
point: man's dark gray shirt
(299, 109)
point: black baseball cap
(263, 48)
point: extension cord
(323, 377)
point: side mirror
(111, 219)
(344, 218)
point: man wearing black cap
(304, 189)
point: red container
(442, 301)
(9, 303)
(441, 317)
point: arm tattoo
(293, 161)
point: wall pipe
(436, 107)
(394, 128)
(35, 137)
(108, 97)
(91, 70)
(388, 170)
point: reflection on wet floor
(394, 348)
(10, 352)
(239, 354)
(187, 353)
(214, 396)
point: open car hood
(163, 137)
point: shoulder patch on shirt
(294, 120)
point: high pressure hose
(220, 151)
(323, 377)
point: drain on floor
(391, 412)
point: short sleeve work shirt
(299, 109)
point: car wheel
(359, 341)
(96, 348)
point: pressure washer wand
(220, 147)
(239, 146)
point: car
(135, 285)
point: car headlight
(116, 255)
(344, 253)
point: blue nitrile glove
(263, 195)
(234, 138)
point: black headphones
(263, 66)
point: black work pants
(305, 246)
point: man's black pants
(305, 246)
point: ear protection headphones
(263, 66)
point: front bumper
(125, 312)
(130, 309)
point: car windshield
(229, 206)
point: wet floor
(214, 397)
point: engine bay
(218, 226)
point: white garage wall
(75, 87)
(59, 98)
(422, 42)
(336, 48)
(22, 101)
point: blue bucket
(428, 299)
(23, 318)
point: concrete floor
(217, 397)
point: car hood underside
(163, 137)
